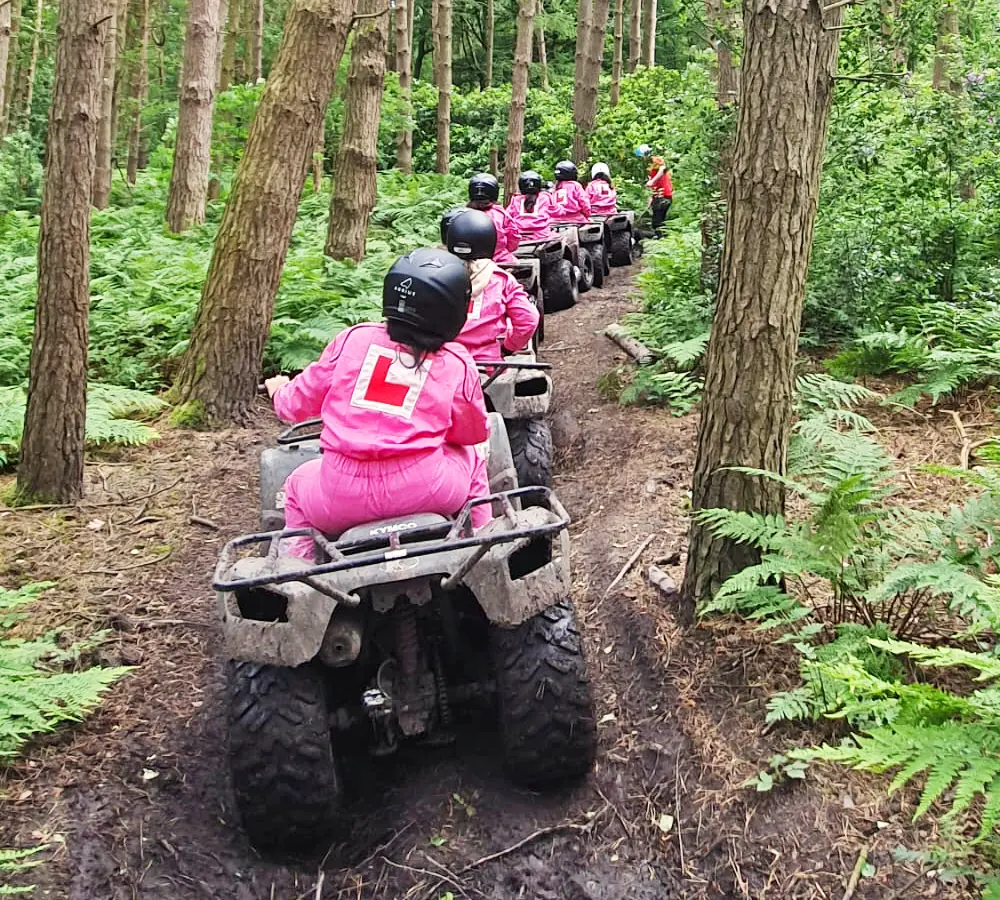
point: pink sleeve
(583, 202)
(302, 398)
(469, 425)
(513, 235)
(522, 314)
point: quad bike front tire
(621, 248)
(588, 271)
(285, 780)
(548, 727)
(531, 447)
(561, 290)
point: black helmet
(471, 235)
(429, 291)
(530, 183)
(448, 218)
(484, 187)
(566, 171)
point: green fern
(18, 861)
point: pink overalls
(603, 198)
(571, 203)
(534, 225)
(507, 234)
(500, 310)
(397, 439)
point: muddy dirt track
(134, 803)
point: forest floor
(134, 802)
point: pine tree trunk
(52, 452)
(229, 41)
(588, 79)
(193, 146)
(543, 57)
(28, 94)
(789, 60)
(616, 65)
(404, 66)
(648, 47)
(441, 31)
(634, 34)
(140, 86)
(319, 154)
(889, 12)
(354, 186)
(584, 25)
(948, 51)
(255, 42)
(105, 136)
(518, 96)
(490, 30)
(9, 71)
(218, 373)
(121, 78)
(5, 46)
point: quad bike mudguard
(413, 555)
(519, 393)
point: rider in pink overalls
(603, 197)
(484, 195)
(403, 412)
(500, 313)
(531, 209)
(570, 201)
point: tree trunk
(255, 42)
(789, 60)
(105, 136)
(616, 65)
(9, 70)
(229, 40)
(319, 153)
(354, 186)
(52, 451)
(518, 96)
(584, 26)
(490, 30)
(121, 78)
(5, 42)
(441, 30)
(543, 57)
(140, 85)
(587, 81)
(889, 12)
(404, 66)
(648, 51)
(28, 94)
(193, 146)
(218, 373)
(948, 53)
(634, 34)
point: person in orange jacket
(663, 192)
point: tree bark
(889, 12)
(9, 70)
(218, 373)
(140, 86)
(648, 51)
(948, 51)
(28, 94)
(441, 29)
(404, 66)
(52, 452)
(789, 60)
(255, 42)
(229, 40)
(105, 136)
(5, 42)
(193, 146)
(543, 57)
(584, 25)
(319, 153)
(616, 65)
(518, 95)
(588, 77)
(491, 20)
(634, 34)
(354, 185)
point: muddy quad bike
(528, 273)
(395, 626)
(622, 237)
(594, 243)
(560, 264)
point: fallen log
(636, 349)
(661, 581)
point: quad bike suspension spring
(407, 641)
(444, 705)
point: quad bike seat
(383, 527)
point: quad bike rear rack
(426, 540)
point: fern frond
(988, 667)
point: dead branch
(966, 451)
(205, 523)
(624, 569)
(661, 581)
(138, 565)
(852, 885)
(636, 349)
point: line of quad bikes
(403, 629)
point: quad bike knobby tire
(531, 447)
(547, 723)
(588, 271)
(560, 290)
(285, 780)
(596, 253)
(621, 248)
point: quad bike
(396, 625)
(622, 237)
(562, 266)
(594, 243)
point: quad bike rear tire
(587, 270)
(546, 708)
(621, 248)
(596, 253)
(561, 290)
(285, 779)
(531, 447)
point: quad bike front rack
(426, 540)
